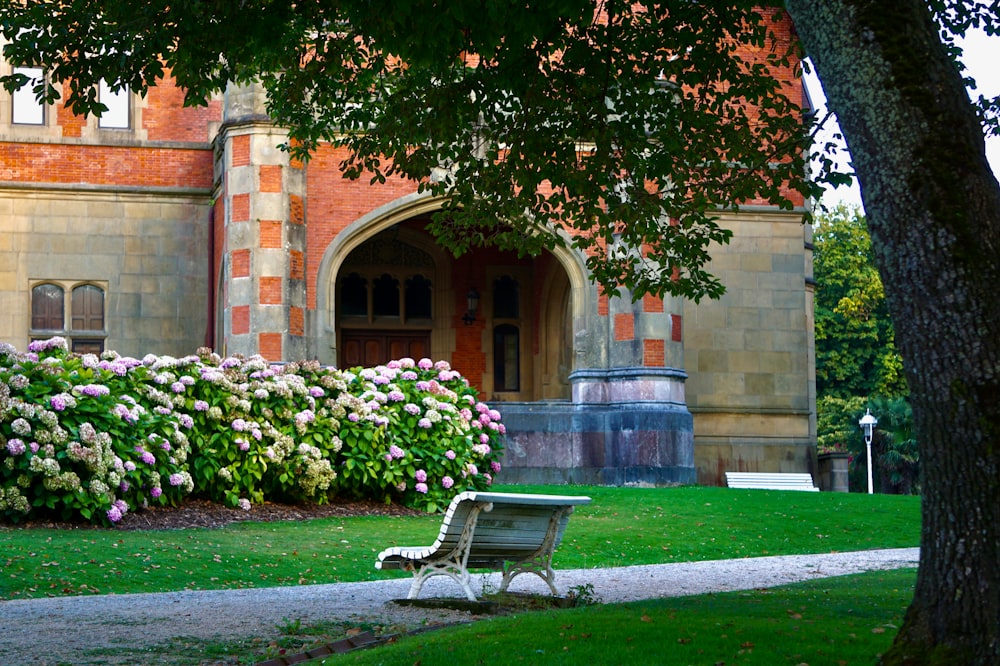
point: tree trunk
(933, 209)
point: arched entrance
(386, 298)
(391, 292)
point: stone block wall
(146, 252)
(749, 355)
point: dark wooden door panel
(370, 348)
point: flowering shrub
(94, 437)
(435, 440)
(74, 445)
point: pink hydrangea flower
(421, 488)
(447, 482)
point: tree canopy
(631, 126)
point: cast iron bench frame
(508, 532)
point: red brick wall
(241, 263)
(296, 321)
(106, 165)
(270, 291)
(675, 328)
(241, 319)
(334, 202)
(136, 164)
(654, 353)
(165, 118)
(270, 178)
(624, 327)
(296, 269)
(269, 346)
(652, 303)
(239, 147)
(270, 233)
(240, 208)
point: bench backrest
(515, 527)
(771, 480)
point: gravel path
(92, 629)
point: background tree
(855, 342)
(857, 365)
(640, 125)
(628, 126)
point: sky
(982, 58)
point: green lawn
(835, 621)
(623, 526)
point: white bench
(508, 532)
(771, 480)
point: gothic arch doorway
(386, 289)
(388, 298)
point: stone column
(627, 421)
(265, 234)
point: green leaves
(855, 349)
(618, 129)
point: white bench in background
(771, 480)
(509, 532)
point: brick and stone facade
(198, 230)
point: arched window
(506, 358)
(385, 296)
(354, 296)
(418, 298)
(81, 320)
(88, 308)
(47, 308)
(506, 299)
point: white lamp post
(868, 423)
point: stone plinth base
(639, 436)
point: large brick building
(162, 229)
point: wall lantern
(472, 306)
(868, 423)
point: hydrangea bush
(93, 437)
(74, 444)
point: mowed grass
(833, 621)
(622, 526)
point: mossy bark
(933, 209)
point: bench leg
(540, 563)
(454, 563)
(457, 573)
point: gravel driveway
(95, 629)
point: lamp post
(868, 423)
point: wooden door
(370, 348)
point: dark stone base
(599, 444)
